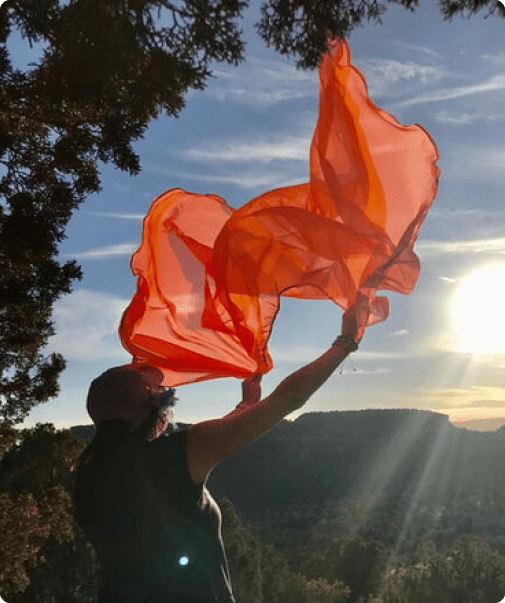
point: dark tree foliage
(469, 571)
(244, 556)
(355, 561)
(36, 516)
(260, 574)
(301, 27)
(107, 69)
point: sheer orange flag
(210, 277)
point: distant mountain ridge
(86, 432)
(325, 455)
(481, 424)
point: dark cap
(123, 393)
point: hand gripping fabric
(210, 277)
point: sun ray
(432, 485)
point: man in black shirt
(140, 495)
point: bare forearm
(211, 441)
(296, 389)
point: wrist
(350, 344)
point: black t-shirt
(157, 534)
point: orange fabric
(210, 277)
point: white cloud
(359, 371)
(290, 148)
(425, 248)
(383, 74)
(482, 224)
(452, 214)
(266, 163)
(493, 84)
(122, 188)
(86, 325)
(400, 333)
(473, 396)
(492, 159)
(105, 253)
(262, 83)
(113, 215)
(295, 354)
(474, 162)
(299, 354)
(465, 119)
(259, 178)
(417, 49)
(371, 355)
(497, 59)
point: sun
(478, 311)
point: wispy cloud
(379, 355)
(383, 74)
(400, 333)
(477, 224)
(381, 370)
(476, 163)
(493, 159)
(411, 48)
(465, 119)
(472, 402)
(261, 84)
(121, 188)
(106, 253)
(86, 325)
(493, 84)
(456, 214)
(497, 59)
(467, 403)
(295, 354)
(257, 177)
(425, 248)
(261, 163)
(117, 216)
(483, 396)
(300, 354)
(286, 149)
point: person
(140, 494)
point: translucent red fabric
(210, 277)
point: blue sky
(443, 347)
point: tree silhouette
(106, 70)
(36, 468)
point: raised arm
(211, 441)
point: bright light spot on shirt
(184, 560)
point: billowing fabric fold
(210, 277)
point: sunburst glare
(477, 310)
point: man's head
(134, 395)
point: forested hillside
(398, 476)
